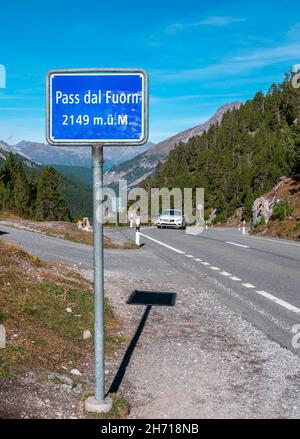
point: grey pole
(98, 403)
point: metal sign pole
(98, 403)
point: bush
(281, 210)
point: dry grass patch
(34, 296)
(63, 230)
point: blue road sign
(87, 107)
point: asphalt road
(260, 276)
(257, 277)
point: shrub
(281, 210)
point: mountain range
(135, 164)
(77, 156)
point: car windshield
(172, 212)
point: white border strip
(279, 301)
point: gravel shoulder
(198, 359)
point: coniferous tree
(21, 191)
(241, 158)
(50, 203)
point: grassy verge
(41, 334)
(63, 230)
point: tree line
(241, 158)
(36, 195)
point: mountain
(76, 156)
(27, 162)
(243, 157)
(141, 166)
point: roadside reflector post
(137, 230)
(131, 220)
(206, 225)
(244, 227)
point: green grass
(119, 408)
(33, 301)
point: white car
(171, 218)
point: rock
(264, 205)
(76, 372)
(64, 379)
(262, 208)
(2, 337)
(86, 334)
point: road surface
(258, 277)
(224, 349)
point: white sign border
(102, 142)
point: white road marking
(279, 301)
(163, 244)
(215, 268)
(236, 279)
(189, 256)
(225, 273)
(278, 241)
(269, 296)
(238, 245)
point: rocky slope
(4, 151)
(138, 168)
(287, 227)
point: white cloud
(222, 21)
(236, 65)
(215, 20)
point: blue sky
(198, 55)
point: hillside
(241, 158)
(77, 194)
(144, 164)
(81, 174)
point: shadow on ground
(149, 299)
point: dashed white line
(279, 301)
(238, 245)
(269, 296)
(163, 244)
(225, 273)
(234, 278)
